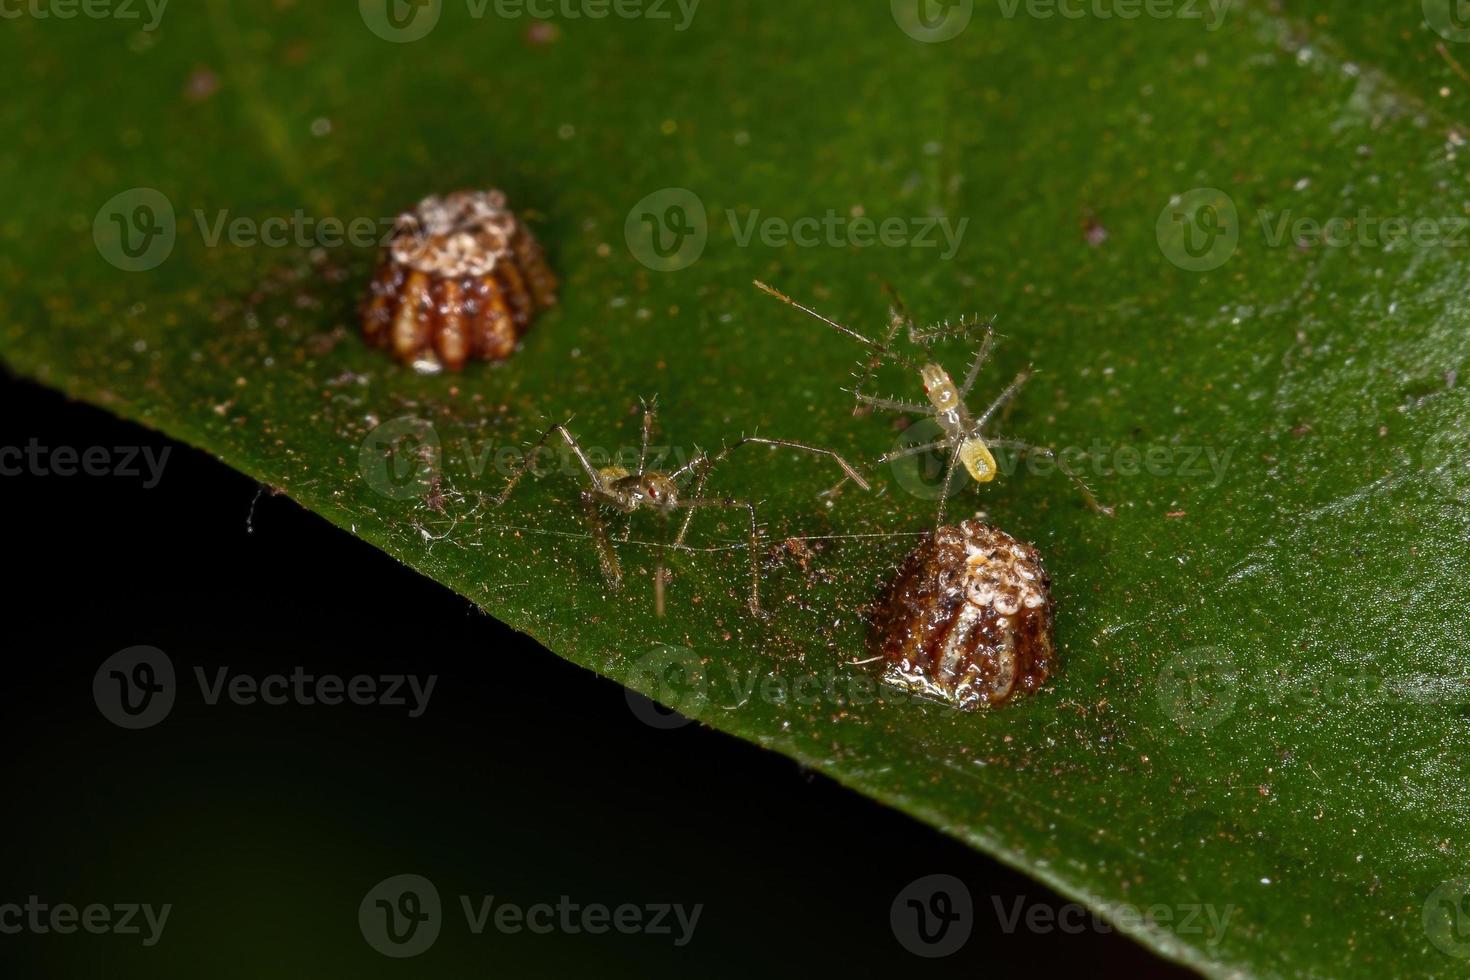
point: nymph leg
(1026, 449)
(754, 601)
(530, 458)
(702, 464)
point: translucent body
(949, 412)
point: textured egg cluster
(968, 620)
(461, 278)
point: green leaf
(1261, 708)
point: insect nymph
(963, 433)
(627, 491)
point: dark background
(527, 778)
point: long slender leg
(942, 331)
(699, 465)
(612, 571)
(868, 342)
(702, 464)
(908, 451)
(696, 463)
(1026, 449)
(650, 412)
(530, 458)
(895, 405)
(660, 571)
(626, 534)
(980, 357)
(848, 468)
(880, 350)
(949, 472)
(1011, 390)
(727, 503)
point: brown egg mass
(460, 278)
(968, 620)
